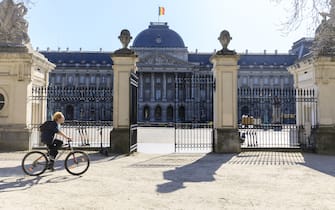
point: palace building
(175, 85)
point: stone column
(164, 87)
(21, 70)
(123, 65)
(226, 138)
(317, 119)
(152, 99)
(124, 62)
(225, 69)
(140, 92)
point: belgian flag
(161, 11)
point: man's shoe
(51, 166)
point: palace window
(286, 80)
(256, 82)
(181, 113)
(92, 79)
(158, 94)
(58, 79)
(69, 112)
(82, 79)
(169, 113)
(244, 80)
(158, 113)
(146, 113)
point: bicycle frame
(64, 148)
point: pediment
(162, 59)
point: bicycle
(35, 163)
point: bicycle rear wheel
(77, 162)
(34, 163)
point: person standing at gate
(48, 130)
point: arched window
(181, 113)
(158, 113)
(169, 113)
(69, 112)
(146, 113)
(2, 101)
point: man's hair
(57, 116)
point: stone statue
(224, 39)
(13, 26)
(324, 42)
(125, 38)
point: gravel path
(249, 180)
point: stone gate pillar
(21, 69)
(317, 71)
(318, 121)
(124, 62)
(225, 69)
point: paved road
(249, 180)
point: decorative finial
(125, 38)
(224, 39)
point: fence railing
(270, 136)
(193, 137)
(90, 134)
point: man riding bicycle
(48, 130)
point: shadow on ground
(322, 163)
(202, 170)
(10, 184)
(14, 179)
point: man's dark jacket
(48, 130)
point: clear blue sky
(90, 25)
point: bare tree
(27, 3)
(304, 11)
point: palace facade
(175, 85)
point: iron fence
(277, 118)
(76, 104)
(193, 137)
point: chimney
(246, 51)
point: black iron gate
(276, 118)
(194, 113)
(133, 84)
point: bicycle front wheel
(77, 162)
(34, 163)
